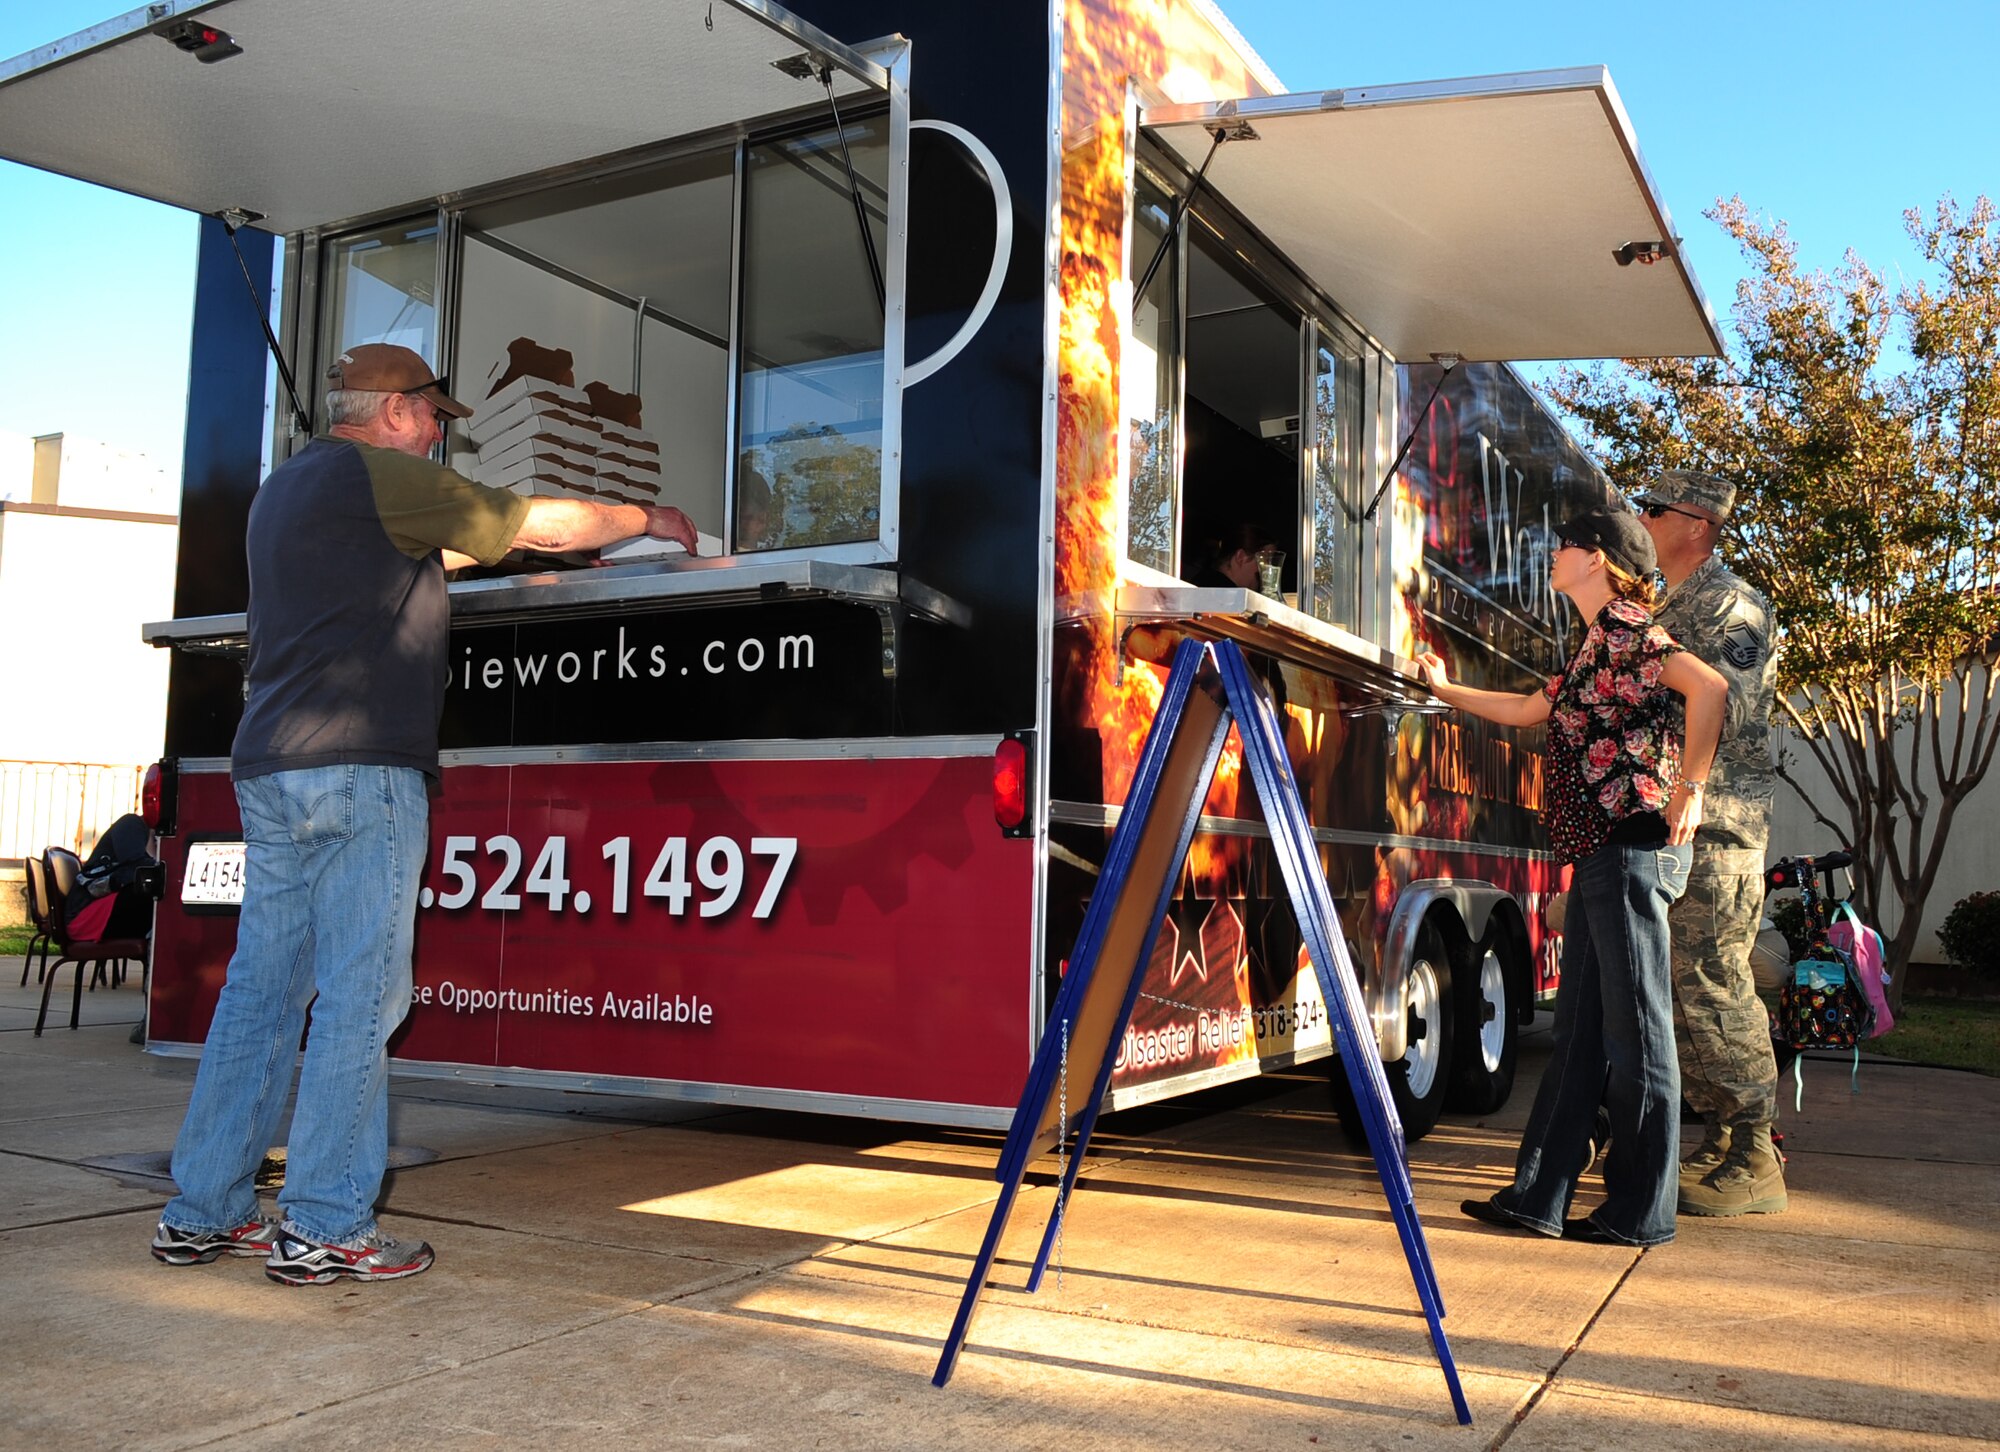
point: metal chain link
(1062, 1153)
(1173, 1002)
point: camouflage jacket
(1728, 625)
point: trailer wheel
(1418, 1081)
(1488, 1033)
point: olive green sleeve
(424, 506)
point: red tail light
(1010, 783)
(159, 796)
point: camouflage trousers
(1721, 1029)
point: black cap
(1620, 535)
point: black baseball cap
(1620, 535)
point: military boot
(1749, 1181)
(1708, 1155)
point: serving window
(709, 330)
(1247, 405)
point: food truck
(965, 334)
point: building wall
(85, 560)
(75, 587)
(1972, 850)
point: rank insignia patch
(1741, 644)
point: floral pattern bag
(1820, 1006)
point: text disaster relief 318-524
(970, 349)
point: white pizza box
(613, 456)
(560, 395)
(638, 490)
(645, 547)
(528, 467)
(521, 421)
(628, 440)
(518, 400)
(553, 427)
(542, 446)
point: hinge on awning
(1232, 129)
(807, 66)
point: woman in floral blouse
(1623, 799)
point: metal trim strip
(1037, 995)
(1093, 814)
(859, 748)
(98, 37)
(908, 1111)
(688, 583)
(1158, 1089)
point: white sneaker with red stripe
(174, 1246)
(296, 1261)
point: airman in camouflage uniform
(1728, 1072)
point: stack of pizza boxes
(538, 433)
(534, 431)
(628, 461)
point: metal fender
(1474, 903)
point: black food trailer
(965, 334)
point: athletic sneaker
(296, 1261)
(173, 1246)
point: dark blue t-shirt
(349, 620)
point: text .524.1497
(722, 870)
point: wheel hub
(1492, 1012)
(1421, 1063)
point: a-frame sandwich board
(1207, 687)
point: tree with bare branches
(1861, 426)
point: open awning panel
(1478, 217)
(339, 109)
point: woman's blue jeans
(1614, 1046)
(333, 858)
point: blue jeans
(332, 862)
(1614, 1046)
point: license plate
(214, 874)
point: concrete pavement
(624, 1273)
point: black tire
(1344, 1107)
(1419, 1081)
(1488, 1032)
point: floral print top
(1614, 731)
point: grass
(1950, 1033)
(14, 941)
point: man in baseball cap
(333, 764)
(1728, 1071)
(388, 368)
(1688, 494)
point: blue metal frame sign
(1209, 687)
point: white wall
(101, 476)
(1972, 849)
(80, 684)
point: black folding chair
(34, 880)
(99, 953)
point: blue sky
(1834, 116)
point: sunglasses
(1654, 511)
(438, 415)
